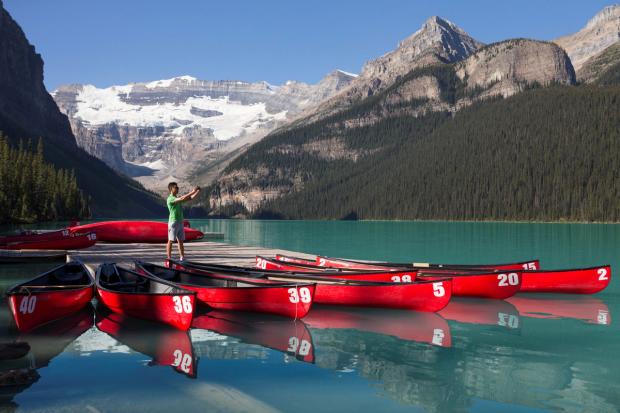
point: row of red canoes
(84, 236)
(485, 281)
(169, 294)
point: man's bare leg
(169, 249)
(181, 250)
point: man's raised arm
(188, 196)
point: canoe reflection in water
(407, 325)
(26, 353)
(167, 346)
(481, 311)
(291, 337)
(589, 309)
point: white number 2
(438, 335)
(405, 278)
(182, 304)
(28, 304)
(510, 279)
(438, 290)
(304, 292)
(602, 274)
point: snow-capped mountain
(165, 129)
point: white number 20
(182, 304)
(510, 279)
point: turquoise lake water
(532, 353)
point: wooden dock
(200, 251)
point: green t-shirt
(176, 209)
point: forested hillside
(34, 190)
(544, 154)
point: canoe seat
(109, 276)
(69, 274)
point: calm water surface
(532, 353)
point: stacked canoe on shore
(282, 286)
(77, 237)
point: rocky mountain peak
(600, 32)
(609, 13)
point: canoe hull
(153, 232)
(289, 301)
(490, 285)
(418, 296)
(75, 242)
(168, 309)
(36, 309)
(359, 275)
(343, 263)
(574, 281)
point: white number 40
(28, 304)
(182, 304)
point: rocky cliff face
(600, 32)
(28, 111)
(505, 68)
(437, 41)
(165, 129)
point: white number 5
(438, 290)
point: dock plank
(199, 251)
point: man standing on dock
(176, 231)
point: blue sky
(120, 41)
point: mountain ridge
(27, 111)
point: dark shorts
(176, 231)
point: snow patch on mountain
(102, 106)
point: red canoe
(72, 242)
(420, 327)
(133, 231)
(390, 275)
(55, 294)
(127, 292)
(32, 236)
(574, 281)
(239, 293)
(482, 285)
(294, 260)
(487, 312)
(167, 346)
(278, 333)
(346, 263)
(588, 309)
(421, 296)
